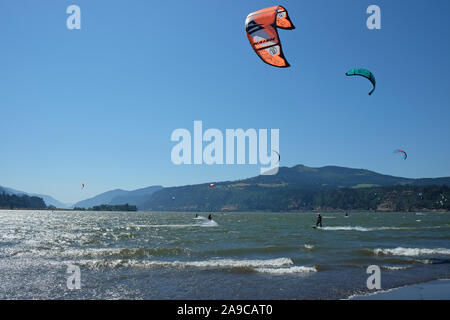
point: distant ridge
(49, 201)
(297, 188)
(293, 188)
(118, 196)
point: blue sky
(98, 105)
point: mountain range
(293, 188)
(49, 200)
(115, 197)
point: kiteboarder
(319, 220)
(209, 217)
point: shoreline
(353, 211)
(431, 290)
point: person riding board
(319, 220)
(209, 217)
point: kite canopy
(261, 27)
(363, 73)
(82, 185)
(401, 151)
(212, 185)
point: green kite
(363, 73)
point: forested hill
(118, 196)
(305, 188)
(13, 201)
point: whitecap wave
(231, 263)
(363, 229)
(209, 223)
(346, 228)
(214, 264)
(200, 223)
(295, 269)
(395, 268)
(411, 252)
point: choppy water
(152, 255)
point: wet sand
(433, 290)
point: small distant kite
(212, 185)
(82, 186)
(261, 27)
(279, 158)
(363, 73)
(401, 151)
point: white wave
(395, 268)
(411, 252)
(295, 269)
(363, 229)
(236, 263)
(171, 225)
(209, 223)
(308, 246)
(394, 228)
(220, 263)
(425, 261)
(92, 252)
(88, 252)
(346, 228)
(362, 295)
(200, 224)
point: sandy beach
(433, 290)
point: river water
(165, 255)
